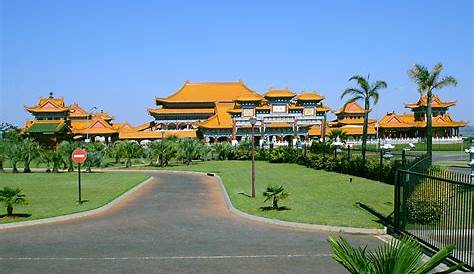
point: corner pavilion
(221, 111)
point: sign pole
(79, 182)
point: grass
(422, 147)
(50, 194)
(453, 163)
(316, 196)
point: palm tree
(3, 153)
(161, 152)
(54, 157)
(14, 154)
(275, 193)
(428, 81)
(29, 150)
(10, 197)
(130, 150)
(402, 256)
(188, 149)
(337, 133)
(67, 148)
(366, 92)
(223, 150)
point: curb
(313, 227)
(78, 215)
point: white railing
(395, 141)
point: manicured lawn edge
(62, 218)
(305, 226)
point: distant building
(350, 120)
(54, 122)
(413, 125)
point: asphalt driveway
(177, 224)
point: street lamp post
(253, 121)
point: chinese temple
(54, 122)
(350, 120)
(221, 111)
(413, 125)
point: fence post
(396, 199)
(404, 159)
(381, 166)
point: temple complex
(221, 111)
(413, 125)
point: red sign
(79, 156)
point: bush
(283, 154)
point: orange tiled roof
(356, 121)
(76, 111)
(96, 126)
(352, 130)
(264, 107)
(207, 92)
(153, 135)
(309, 96)
(80, 124)
(221, 119)
(407, 120)
(293, 106)
(436, 103)
(314, 130)
(181, 110)
(350, 108)
(253, 97)
(279, 93)
(49, 104)
(322, 108)
(102, 115)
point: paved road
(176, 224)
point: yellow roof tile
(436, 103)
(279, 93)
(309, 96)
(350, 108)
(221, 119)
(207, 92)
(181, 111)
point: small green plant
(10, 197)
(402, 256)
(275, 194)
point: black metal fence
(436, 206)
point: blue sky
(120, 55)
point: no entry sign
(79, 156)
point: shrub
(283, 154)
(425, 205)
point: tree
(337, 133)
(95, 153)
(29, 150)
(161, 152)
(130, 150)
(367, 92)
(54, 157)
(10, 197)
(396, 257)
(188, 149)
(67, 148)
(275, 193)
(14, 154)
(223, 150)
(3, 153)
(428, 81)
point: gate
(436, 207)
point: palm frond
(352, 91)
(435, 260)
(361, 81)
(355, 260)
(446, 81)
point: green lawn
(50, 194)
(316, 196)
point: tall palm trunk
(365, 129)
(429, 129)
(1, 166)
(70, 165)
(9, 210)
